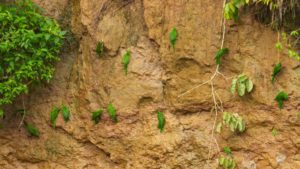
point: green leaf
(234, 121)
(227, 150)
(220, 53)
(276, 70)
(30, 44)
(278, 46)
(294, 33)
(32, 130)
(161, 121)
(96, 116)
(280, 97)
(274, 132)
(126, 61)
(66, 113)
(241, 88)
(298, 114)
(233, 85)
(249, 85)
(112, 112)
(242, 78)
(173, 37)
(54, 115)
(100, 48)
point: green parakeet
(173, 37)
(161, 121)
(54, 115)
(112, 112)
(126, 61)
(220, 53)
(96, 116)
(276, 70)
(33, 131)
(66, 113)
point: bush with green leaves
(235, 122)
(227, 162)
(29, 47)
(242, 84)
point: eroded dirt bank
(156, 77)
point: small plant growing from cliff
(53, 116)
(220, 53)
(298, 115)
(227, 162)
(100, 48)
(161, 121)
(29, 47)
(242, 84)
(96, 116)
(274, 132)
(112, 112)
(231, 10)
(235, 122)
(276, 70)
(126, 61)
(32, 130)
(280, 97)
(173, 37)
(65, 113)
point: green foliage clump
(29, 47)
(227, 162)
(100, 48)
(280, 97)
(276, 70)
(220, 53)
(231, 10)
(242, 84)
(234, 121)
(112, 112)
(126, 61)
(65, 113)
(161, 121)
(274, 132)
(298, 114)
(32, 130)
(53, 116)
(96, 116)
(173, 37)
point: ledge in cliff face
(156, 76)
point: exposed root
(218, 104)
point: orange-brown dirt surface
(156, 76)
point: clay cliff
(157, 75)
